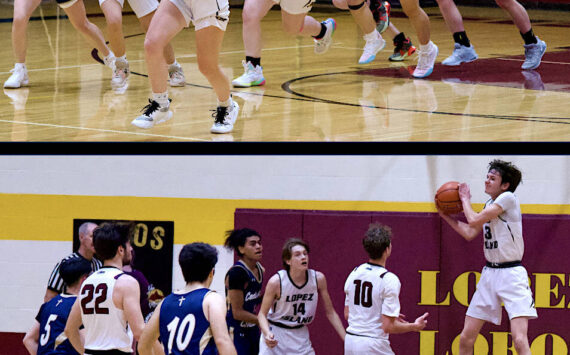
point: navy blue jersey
(184, 329)
(240, 277)
(52, 317)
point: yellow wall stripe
(50, 217)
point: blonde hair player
(503, 279)
(290, 304)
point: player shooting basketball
(503, 279)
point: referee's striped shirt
(56, 283)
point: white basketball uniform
(295, 7)
(295, 308)
(504, 279)
(140, 7)
(371, 291)
(106, 327)
(204, 13)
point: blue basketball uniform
(245, 335)
(52, 317)
(184, 329)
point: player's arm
(31, 338)
(474, 219)
(236, 285)
(396, 325)
(128, 293)
(215, 311)
(72, 327)
(150, 334)
(346, 312)
(52, 288)
(272, 292)
(332, 316)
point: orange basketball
(447, 198)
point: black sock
(529, 37)
(461, 38)
(254, 61)
(400, 38)
(322, 33)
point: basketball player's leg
(208, 46)
(471, 328)
(166, 23)
(252, 14)
(78, 18)
(113, 11)
(23, 9)
(168, 50)
(296, 21)
(418, 18)
(519, 331)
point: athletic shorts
(64, 4)
(204, 13)
(289, 342)
(359, 345)
(508, 286)
(295, 7)
(140, 7)
(246, 340)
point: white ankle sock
(161, 98)
(20, 66)
(226, 103)
(426, 47)
(372, 35)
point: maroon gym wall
(437, 269)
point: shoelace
(220, 114)
(150, 108)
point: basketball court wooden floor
(306, 97)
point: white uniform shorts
(295, 7)
(289, 342)
(507, 285)
(140, 7)
(359, 345)
(204, 13)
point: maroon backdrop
(437, 269)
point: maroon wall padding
(422, 242)
(11, 344)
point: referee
(86, 251)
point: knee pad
(356, 7)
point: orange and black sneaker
(402, 50)
(381, 13)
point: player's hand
(421, 322)
(402, 318)
(270, 340)
(464, 192)
(439, 211)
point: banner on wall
(152, 243)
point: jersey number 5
(90, 291)
(363, 293)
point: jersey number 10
(363, 293)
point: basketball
(447, 198)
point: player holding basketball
(191, 321)
(290, 304)
(46, 335)
(108, 303)
(503, 279)
(372, 305)
(243, 289)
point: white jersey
(297, 305)
(503, 240)
(105, 325)
(371, 291)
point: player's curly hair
(508, 171)
(376, 240)
(109, 236)
(236, 238)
